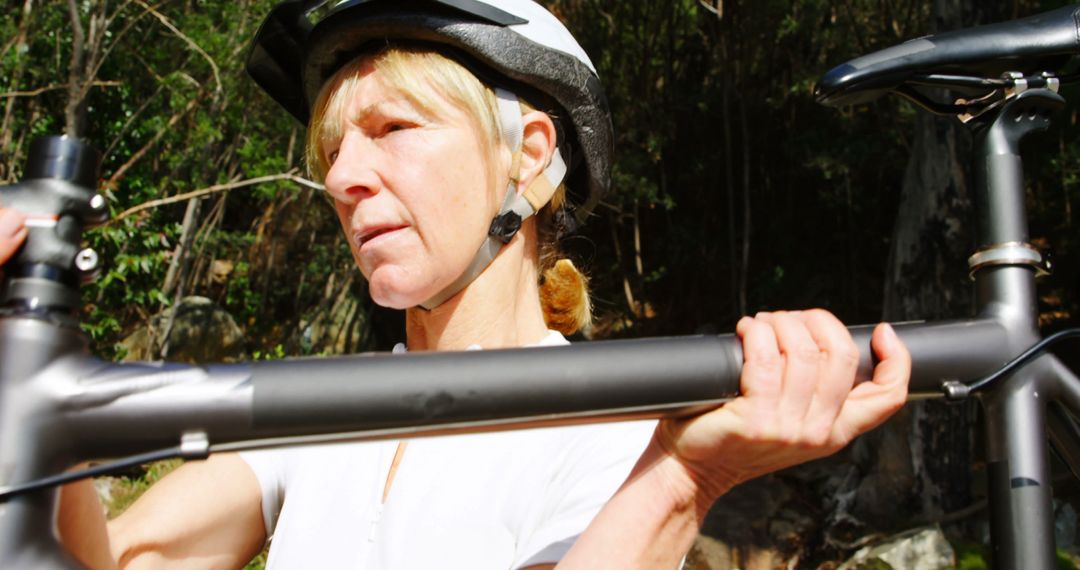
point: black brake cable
(192, 446)
(957, 390)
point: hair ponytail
(564, 296)
(564, 290)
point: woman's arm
(205, 514)
(798, 403)
(81, 523)
(209, 511)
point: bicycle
(59, 405)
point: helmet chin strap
(515, 208)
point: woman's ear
(537, 146)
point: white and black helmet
(517, 44)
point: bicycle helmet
(516, 45)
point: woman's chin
(392, 303)
(395, 294)
(392, 299)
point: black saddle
(1040, 43)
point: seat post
(1004, 269)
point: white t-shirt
(480, 501)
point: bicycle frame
(1021, 523)
(59, 405)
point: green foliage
(970, 556)
(277, 353)
(174, 112)
(257, 563)
(720, 150)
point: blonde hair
(433, 82)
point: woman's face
(413, 189)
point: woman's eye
(332, 157)
(395, 127)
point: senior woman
(444, 131)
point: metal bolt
(86, 260)
(955, 390)
(97, 202)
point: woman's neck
(500, 309)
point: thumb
(894, 361)
(871, 403)
(12, 233)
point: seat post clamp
(1010, 253)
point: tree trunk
(86, 57)
(75, 110)
(729, 193)
(920, 463)
(744, 264)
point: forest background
(733, 192)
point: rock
(886, 477)
(201, 332)
(919, 549)
(708, 553)
(758, 525)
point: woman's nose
(351, 177)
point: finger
(762, 363)
(802, 359)
(742, 325)
(840, 360)
(871, 403)
(894, 360)
(12, 233)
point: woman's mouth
(372, 234)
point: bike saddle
(1040, 43)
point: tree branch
(716, 11)
(168, 24)
(115, 38)
(291, 175)
(47, 88)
